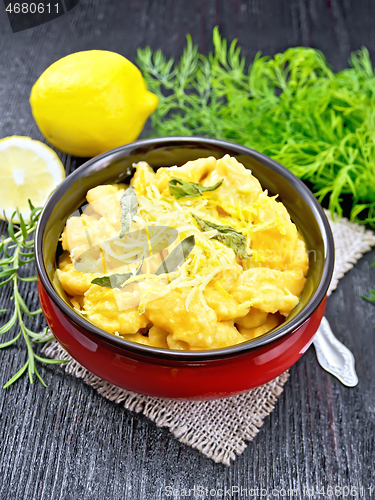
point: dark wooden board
(66, 441)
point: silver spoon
(333, 356)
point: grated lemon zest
(221, 289)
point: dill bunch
(292, 107)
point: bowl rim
(165, 354)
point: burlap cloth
(220, 429)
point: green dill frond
(292, 107)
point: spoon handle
(333, 356)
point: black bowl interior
(116, 166)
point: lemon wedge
(28, 170)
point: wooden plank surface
(67, 442)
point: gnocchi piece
(138, 338)
(144, 176)
(105, 200)
(270, 290)
(238, 185)
(74, 235)
(196, 326)
(223, 303)
(227, 334)
(158, 337)
(253, 319)
(100, 192)
(272, 322)
(74, 282)
(64, 260)
(275, 239)
(192, 171)
(77, 302)
(102, 309)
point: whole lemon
(91, 101)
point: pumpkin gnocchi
(185, 258)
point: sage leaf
(226, 235)
(129, 207)
(177, 256)
(115, 280)
(183, 189)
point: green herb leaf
(292, 107)
(183, 189)
(177, 256)
(129, 207)
(226, 235)
(36, 312)
(113, 280)
(14, 247)
(43, 340)
(9, 324)
(7, 272)
(371, 298)
(8, 280)
(27, 261)
(116, 280)
(27, 254)
(11, 228)
(49, 361)
(21, 303)
(10, 342)
(38, 375)
(22, 224)
(17, 375)
(29, 279)
(35, 335)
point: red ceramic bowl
(176, 374)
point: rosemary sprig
(18, 252)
